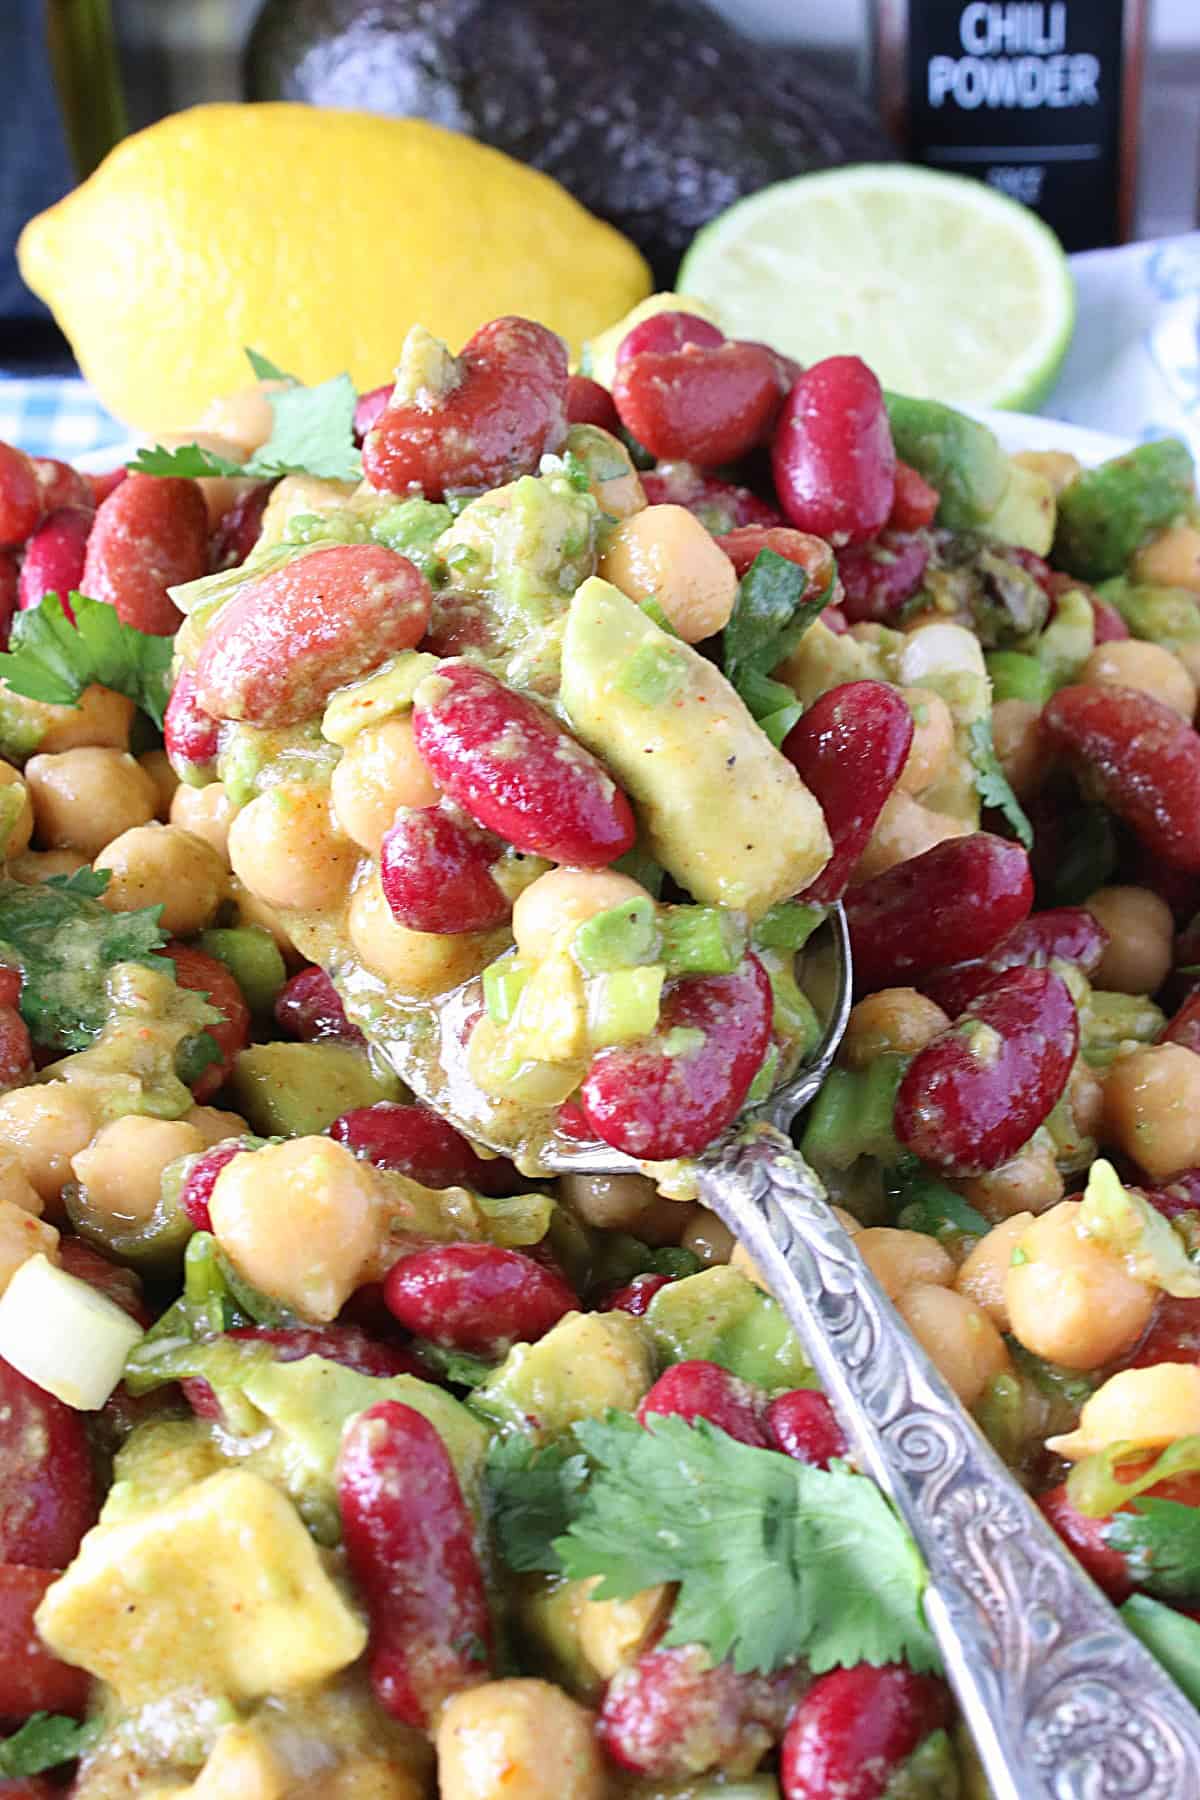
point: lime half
(944, 286)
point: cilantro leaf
(44, 1741)
(775, 1560)
(1160, 1540)
(265, 369)
(534, 1494)
(53, 659)
(64, 942)
(1170, 1636)
(992, 782)
(313, 434)
(770, 616)
(185, 459)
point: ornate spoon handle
(1061, 1699)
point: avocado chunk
(252, 957)
(959, 456)
(1068, 640)
(718, 1316)
(1026, 514)
(721, 809)
(156, 1462)
(298, 1090)
(221, 1589)
(1169, 616)
(588, 1363)
(1107, 513)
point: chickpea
(285, 847)
(894, 1019)
(157, 765)
(40, 865)
(160, 865)
(83, 799)
(900, 1259)
(1128, 662)
(619, 495)
(381, 771)
(1142, 933)
(419, 963)
(1069, 1299)
(664, 553)
(297, 494)
(15, 1186)
(207, 812)
(1152, 1108)
(522, 1737)
(933, 739)
(16, 812)
(101, 719)
(984, 1272)
(1085, 1099)
(1189, 655)
(1059, 467)
(708, 1237)
(244, 416)
(610, 1202)
(744, 1263)
(301, 1220)
(611, 1632)
(547, 912)
(22, 1235)
(214, 1125)
(904, 829)
(1148, 1407)
(250, 910)
(1017, 737)
(1028, 1182)
(1171, 559)
(44, 1126)
(220, 491)
(122, 1167)
(957, 1335)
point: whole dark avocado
(656, 116)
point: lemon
(316, 236)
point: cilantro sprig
(44, 1741)
(54, 655)
(992, 783)
(1160, 1540)
(771, 613)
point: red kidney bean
(704, 406)
(103, 485)
(410, 1545)
(973, 1096)
(1062, 934)
(189, 733)
(343, 1344)
(656, 1103)
(834, 462)
(417, 1143)
(1180, 1195)
(150, 534)
(590, 404)
(809, 553)
(636, 1295)
(62, 485)
(878, 578)
(673, 1714)
(54, 557)
(664, 331)
(517, 771)
(1088, 1537)
(202, 1179)
(1108, 625)
(704, 1390)
(1173, 1335)
(436, 874)
(10, 585)
(803, 1425)
(16, 1051)
(288, 638)
(202, 973)
(479, 1298)
(507, 407)
(787, 370)
(10, 985)
(1184, 1027)
(1139, 757)
(21, 502)
(309, 1007)
(849, 748)
(113, 1280)
(949, 905)
(720, 506)
(855, 1727)
(47, 1488)
(28, 1787)
(238, 528)
(915, 502)
(368, 409)
(31, 1678)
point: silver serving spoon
(1063, 1702)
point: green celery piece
(1016, 676)
(794, 1016)
(620, 937)
(623, 1004)
(852, 1115)
(768, 1070)
(788, 926)
(1170, 1636)
(503, 982)
(701, 940)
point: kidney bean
(31, 1678)
(290, 637)
(949, 905)
(16, 1051)
(506, 407)
(1184, 1027)
(197, 970)
(664, 331)
(479, 1298)
(704, 1390)
(202, 1179)
(436, 874)
(28, 1787)
(410, 1546)
(517, 771)
(1180, 1195)
(416, 1142)
(54, 557)
(878, 578)
(915, 502)
(105, 484)
(10, 584)
(855, 1727)
(834, 462)
(1141, 759)
(635, 1296)
(1107, 624)
(115, 1282)
(369, 407)
(1173, 1335)
(849, 748)
(656, 1102)
(309, 1007)
(238, 528)
(190, 735)
(346, 1345)
(809, 553)
(21, 502)
(673, 1714)
(803, 1425)
(10, 985)
(590, 404)
(1062, 934)
(720, 506)
(705, 406)
(62, 485)
(150, 534)
(973, 1096)
(47, 1489)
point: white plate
(1028, 431)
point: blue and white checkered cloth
(50, 415)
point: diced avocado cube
(788, 926)
(1107, 513)
(618, 937)
(503, 983)
(622, 1004)
(1069, 638)
(702, 940)
(297, 1090)
(1169, 616)
(1026, 514)
(718, 1316)
(960, 457)
(586, 1364)
(252, 957)
(1018, 676)
(550, 1021)
(156, 1461)
(794, 1014)
(388, 691)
